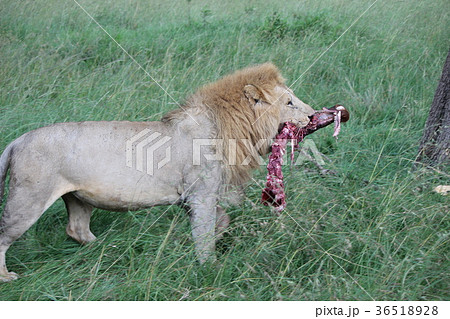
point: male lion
(88, 164)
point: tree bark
(434, 147)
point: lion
(97, 164)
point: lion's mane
(236, 118)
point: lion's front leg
(222, 222)
(203, 225)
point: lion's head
(247, 108)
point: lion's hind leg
(5, 275)
(23, 208)
(79, 219)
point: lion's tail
(5, 159)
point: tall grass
(374, 229)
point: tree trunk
(434, 147)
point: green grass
(375, 229)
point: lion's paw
(9, 276)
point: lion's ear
(253, 94)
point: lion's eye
(291, 105)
